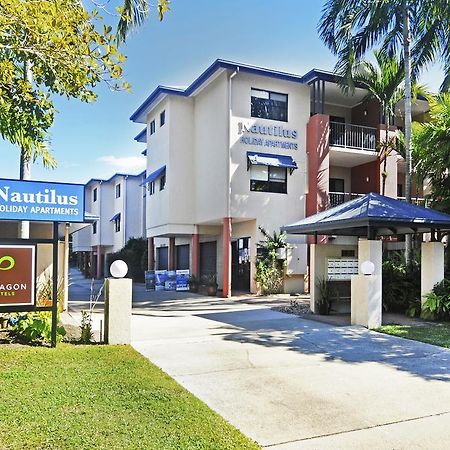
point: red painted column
(150, 254)
(195, 258)
(172, 253)
(227, 257)
(317, 146)
(99, 262)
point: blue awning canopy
(154, 175)
(115, 217)
(268, 159)
(372, 214)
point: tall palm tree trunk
(25, 163)
(385, 149)
(408, 118)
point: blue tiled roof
(384, 215)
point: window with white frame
(268, 179)
(162, 118)
(152, 127)
(94, 227)
(269, 105)
(118, 190)
(94, 195)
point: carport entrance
(370, 218)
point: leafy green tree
(49, 47)
(382, 80)
(431, 150)
(417, 31)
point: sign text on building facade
(269, 131)
(41, 201)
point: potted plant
(193, 283)
(211, 284)
(325, 294)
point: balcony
(353, 136)
(337, 198)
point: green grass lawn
(100, 397)
(437, 334)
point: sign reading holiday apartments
(267, 136)
(17, 275)
(41, 201)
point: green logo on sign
(10, 261)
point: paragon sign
(41, 201)
(17, 275)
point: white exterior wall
(158, 145)
(344, 173)
(106, 206)
(272, 210)
(194, 146)
(105, 228)
(211, 140)
(134, 211)
(81, 240)
(181, 179)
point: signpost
(33, 201)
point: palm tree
(133, 13)
(383, 81)
(431, 150)
(415, 30)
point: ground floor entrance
(240, 264)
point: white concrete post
(118, 296)
(366, 290)
(312, 277)
(432, 266)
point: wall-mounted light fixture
(365, 112)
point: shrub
(326, 292)
(437, 302)
(86, 327)
(401, 285)
(269, 277)
(134, 254)
(35, 327)
(269, 269)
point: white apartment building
(119, 202)
(245, 147)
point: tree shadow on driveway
(351, 344)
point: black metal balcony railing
(337, 198)
(353, 136)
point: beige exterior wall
(200, 138)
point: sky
(96, 140)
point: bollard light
(118, 269)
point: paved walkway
(291, 383)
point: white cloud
(124, 164)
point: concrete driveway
(291, 383)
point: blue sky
(96, 140)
